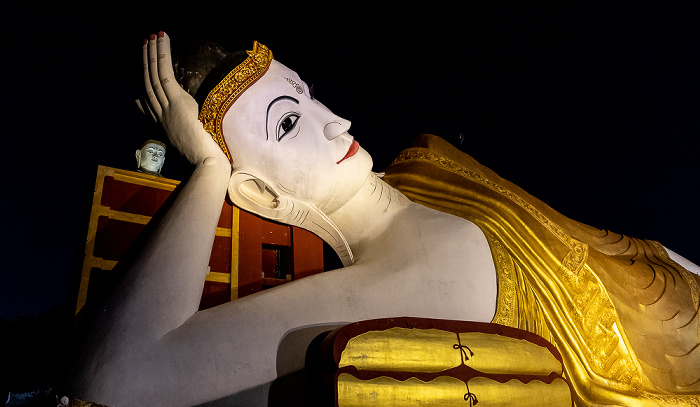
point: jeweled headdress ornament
(222, 96)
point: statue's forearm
(163, 286)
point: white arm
(162, 287)
(689, 265)
(165, 282)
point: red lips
(354, 147)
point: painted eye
(286, 125)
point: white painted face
(278, 132)
(150, 157)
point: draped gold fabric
(434, 350)
(446, 391)
(623, 315)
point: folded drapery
(623, 315)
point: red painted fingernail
(145, 41)
(152, 37)
(161, 34)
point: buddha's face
(277, 131)
(150, 157)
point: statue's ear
(138, 158)
(252, 193)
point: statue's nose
(336, 128)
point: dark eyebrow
(267, 115)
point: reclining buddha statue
(439, 237)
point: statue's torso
(435, 264)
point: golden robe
(623, 314)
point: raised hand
(174, 108)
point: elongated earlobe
(251, 193)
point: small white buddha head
(150, 157)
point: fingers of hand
(150, 93)
(165, 67)
(153, 62)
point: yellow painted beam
(235, 217)
(218, 277)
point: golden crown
(230, 88)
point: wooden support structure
(249, 253)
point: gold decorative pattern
(506, 307)
(227, 91)
(673, 401)
(422, 154)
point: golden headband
(220, 99)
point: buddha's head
(293, 159)
(274, 131)
(150, 157)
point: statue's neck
(145, 171)
(370, 212)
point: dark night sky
(592, 107)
